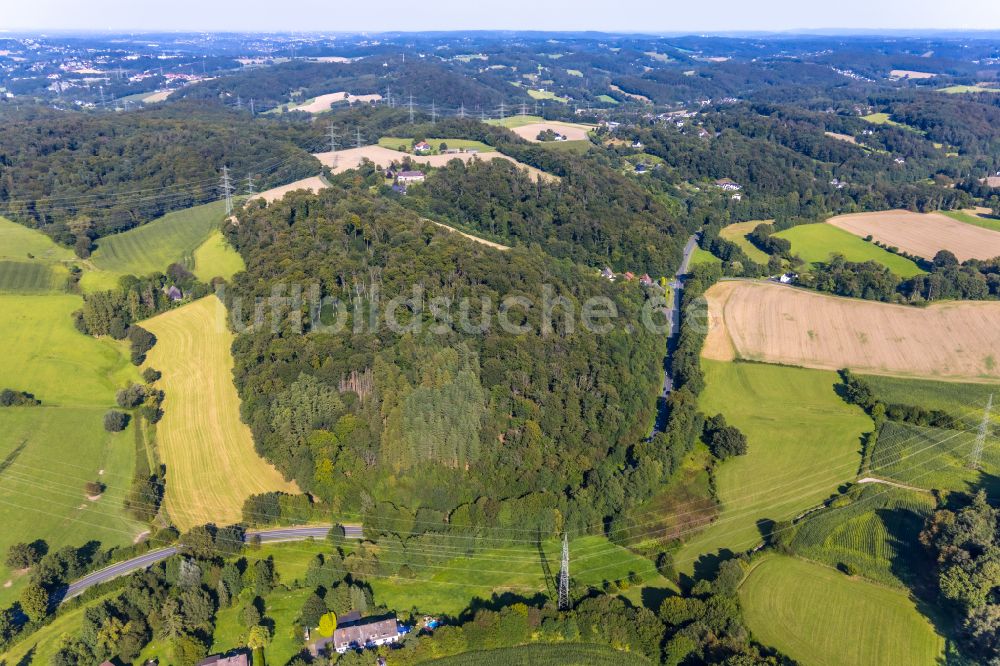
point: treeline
(860, 392)
(74, 174)
(115, 311)
(964, 540)
(504, 418)
(973, 279)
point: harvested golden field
(323, 102)
(342, 160)
(313, 184)
(910, 74)
(779, 324)
(158, 96)
(211, 463)
(841, 137)
(572, 131)
(923, 234)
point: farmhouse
(645, 280)
(174, 294)
(421, 147)
(405, 177)
(358, 634)
(728, 185)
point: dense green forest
(491, 414)
(71, 174)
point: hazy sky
(414, 15)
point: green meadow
(954, 90)
(394, 143)
(984, 221)
(19, 243)
(820, 617)
(30, 277)
(737, 233)
(515, 121)
(814, 243)
(700, 256)
(934, 458)
(546, 94)
(803, 440)
(60, 445)
(152, 247)
(216, 258)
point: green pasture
(814, 243)
(30, 277)
(804, 441)
(40, 647)
(935, 458)
(954, 90)
(700, 256)
(737, 233)
(60, 445)
(511, 122)
(448, 587)
(19, 243)
(152, 247)
(216, 258)
(394, 143)
(969, 217)
(820, 617)
(961, 399)
(546, 94)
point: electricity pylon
(564, 575)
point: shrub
(150, 375)
(24, 555)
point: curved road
(276, 535)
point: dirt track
(779, 324)
(342, 160)
(923, 234)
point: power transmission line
(984, 426)
(411, 108)
(227, 190)
(564, 575)
(250, 184)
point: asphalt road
(276, 535)
(673, 313)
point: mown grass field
(209, 454)
(394, 142)
(970, 217)
(964, 399)
(876, 533)
(29, 277)
(820, 617)
(935, 458)
(700, 256)
(48, 453)
(546, 94)
(283, 606)
(511, 122)
(803, 442)
(447, 588)
(152, 247)
(216, 258)
(555, 654)
(737, 233)
(17, 242)
(954, 90)
(815, 243)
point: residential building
(421, 147)
(728, 185)
(608, 274)
(406, 177)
